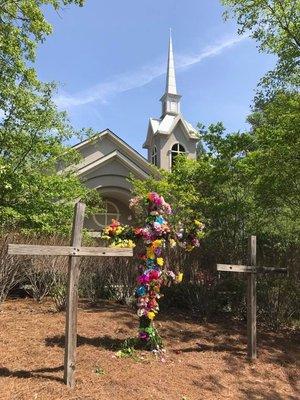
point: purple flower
(143, 336)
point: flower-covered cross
(157, 235)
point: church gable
(114, 163)
(101, 147)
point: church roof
(121, 150)
(114, 155)
(165, 125)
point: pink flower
(134, 201)
(153, 275)
(143, 279)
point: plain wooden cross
(251, 271)
(74, 251)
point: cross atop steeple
(170, 99)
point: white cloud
(127, 81)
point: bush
(59, 296)
(278, 301)
(42, 273)
(10, 267)
(59, 288)
(107, 278)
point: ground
(203, 360)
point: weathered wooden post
(251, 301)
(74, 251)
(251, 271)
(72, 297)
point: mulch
(203, 360)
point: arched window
(154, 156)
(176, 149)
(111, 211)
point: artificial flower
(160, 220)
(153, 275)
(172, 243)
(143, 279)
(151, 315)
(143, 335)
(157, 243)
(141, 291)
(160, 261)
(150, 253)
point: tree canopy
(33, 132)
(275, 26)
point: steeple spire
(170, 100)
(171, 80)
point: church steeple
(170, 134)
(171, 79)
(170, 100)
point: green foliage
(128, 349)
(273, 167)
(59, 293)
(32, 130)
(182, 197)
(275, 25)
(277, 299)
(99, 370)
(245, 183)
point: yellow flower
(189, 247)
(179, 277)
(126, 243)
(156, 243)
(151, 315)
(105, 237)
(150, 253)
(172, 242)
(197, 223)
(119, 230)
(160, 261)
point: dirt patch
(204, 360)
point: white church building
(108, 161)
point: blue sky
(110, 60)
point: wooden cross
(251, 271)
(74, 251)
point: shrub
(107, 278)
(10, 268)
(278, 301)
(40, 277)
(58, 291)
(59, 296)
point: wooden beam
(105, 251)
(249, 268)
(72, 299)
(37, 250)
(234, 268)
(41, 250)
(251, 302)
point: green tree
(275, 25)
(33, 132)
(244, 183)
(211, 188)
(273, 167)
